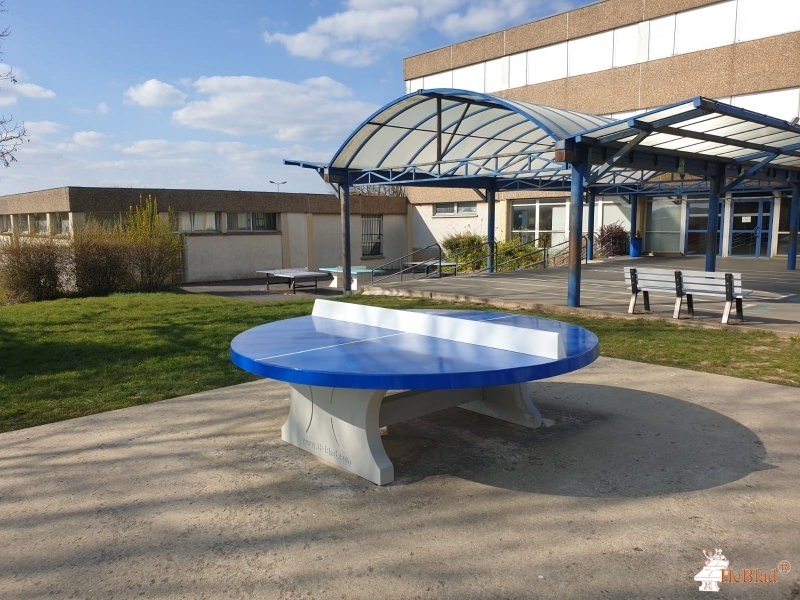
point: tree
(11, 134)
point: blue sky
(213, 95)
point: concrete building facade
(617, 58)
(227, 234)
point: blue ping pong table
(345, 364)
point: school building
(227, 234)
(619, 58)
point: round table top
(327, 352)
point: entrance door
(751, 227)
(697, 227)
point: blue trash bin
(636, 246)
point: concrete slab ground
(641, 469)
(774, 303)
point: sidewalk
(640, 470)
(774, 304)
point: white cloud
(103, 109)
(42, 128)
(82, 140)
(88, 138)
(10, 92)
(154, 93)
(366, 29)
(314, 110)
(482, 17)
(157, 163)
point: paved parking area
(773, 305)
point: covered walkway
(457, 138)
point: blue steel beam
(712, 242)
(794, 225)
(579, 171)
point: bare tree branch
(11, 135)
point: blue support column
(712, 242)
(590, 228)
(579, 171)
(794, 225)
(347, 261)
(490, 200)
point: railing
(426, 261)
(525, 255)
(510, 259)
(430, 261)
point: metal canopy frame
(460, 138)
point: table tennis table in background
(293, 277)
(359, 276)
(343, 359)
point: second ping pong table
(343, 359)
(292, 277)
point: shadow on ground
(638, 444)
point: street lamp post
(277, 183)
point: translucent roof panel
(708, 129)
(447, 133)
(461, 132)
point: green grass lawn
(74, 357)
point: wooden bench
(686, 284)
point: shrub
(611, 240)
(33, 268)
(100, 261)
(511, 255)
(468, 248)
(154, 250)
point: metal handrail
(549, 257)
(387, 270)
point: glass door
(751, 227)
(697, 227)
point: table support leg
(512, 403)
(341, 427)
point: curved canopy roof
(457, 133)
(459, 138)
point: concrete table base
(341, 426)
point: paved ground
(640, 469)
(774, 303)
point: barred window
(371, 235)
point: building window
(204, 221)
(455, 209)
(39, 222)
(783, 225)
(198, 221)
(22, 223)
(253, 221)
(60, 223)
(5, 224)
(545, 222)
(371, 235)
